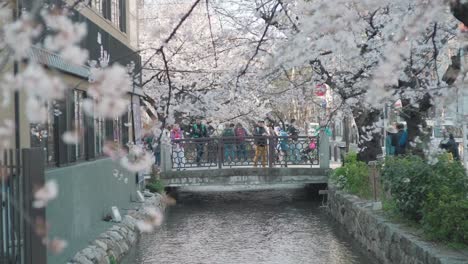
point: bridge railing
(228, 152)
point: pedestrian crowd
(397, 142)
(236, 149)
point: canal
(284, 225)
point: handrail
(221, 152)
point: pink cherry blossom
(45, 194)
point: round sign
(320, 89)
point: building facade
(89, 183)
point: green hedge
(434, 195)
(353, 176)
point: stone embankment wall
(388, 242)
(117, 240)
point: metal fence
(244, 152)
(20, 173)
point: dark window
(117, 126)
(125, 125)
(68, 115)
(109, 130)
(99, 135)
(123, 16)
(78, 124)
(42, 136)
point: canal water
(240, 226)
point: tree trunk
(460, 10)
(415, 118)
(346, 133)
(369, 137)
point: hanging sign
(320, 89)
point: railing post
(324, 150)
(33, 173)
(166, 161)
(271, 152)
(220, 153)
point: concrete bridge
(218, 161)
(245, 176)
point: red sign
(320, 89)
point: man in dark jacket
(402, 140)
(260, 143)
(199, 131)
(451, 146)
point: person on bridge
(199, 131)
(260, 135)
(295, 147)
(178, 153)
(282, 146)
(240, 133)
(228, 142)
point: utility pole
(464, 108)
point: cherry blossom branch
(211, 34)
(260, 42)
(169, 96)
(296, 29)
(436, 51)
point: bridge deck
(245, 176)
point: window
(115, 9)
(50, 148)
(42, 136)
(68, 115)
(126, 126)
(79, 124)
(117, 129)
(112, 10)
(113, 130)
(97, 5)
(99, 135)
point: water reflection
(240, 226)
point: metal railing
(20, 173)
(222, 152)
(51, 59)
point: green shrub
(446, 219)
(445, 212)
(353, 176)
(112, 260)
(434, 195)
(155, 186)
(407, 179)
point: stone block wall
(117, 241)
(388, 242)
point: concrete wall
(86, 193)
(390, 243)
